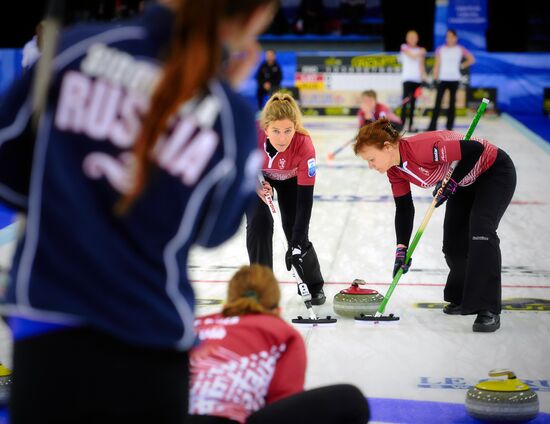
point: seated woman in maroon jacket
(250, 366)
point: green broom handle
(416, 239)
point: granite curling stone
(5, 383)
(355, 300)
(502, 401)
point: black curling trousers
(259, 234)
(338, 404)
(452, 86)
(409, 87)
(470, 242)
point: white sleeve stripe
(12, 196)
(187, 225)
(18, 125)
(110, 36)
(230, 146)
(32, 230)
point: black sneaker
(318, 298)
(452, 309)
(486, 322)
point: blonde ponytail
(282, 106)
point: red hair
(376, 134)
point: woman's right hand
(263, 190)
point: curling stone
(355, 300)
(500, 400)
(5, 382)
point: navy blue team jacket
(79, 263)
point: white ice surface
(355, 239)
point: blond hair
(252, 290)
(282, 106)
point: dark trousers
(261, 93)
(83, 376)
(259, 234)
(470, 242)
(409, 88)
(336, 404)
(452, 86)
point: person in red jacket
(289, 168)
(370, 110)
(250, 364)
(478, 193)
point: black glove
(400, 255)
(448, 191)
(295, 257)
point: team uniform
(292, 175)
(251, 368)
(450, 58)
(380, 111)
(85, 280)
(486, 182)
(411, 75)
(244, 363)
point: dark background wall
(26, 14)
(401, 16)
(518, 26)
(512, 26)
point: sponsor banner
(379, 63)
(469, 19)
(329, 111)
(329, 98)
(310, 81)
(384, 63)
(337, 82)
(474, 96)
(392, 97)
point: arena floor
(417, 371)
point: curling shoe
(486, 322)
(452, 309)
(318, 298)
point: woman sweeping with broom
(477, 194)
(289, 168)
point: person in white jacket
(32, 48)
(450, 59)
(413, 72)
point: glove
(400, 255)
(295, 257)
(448, 191)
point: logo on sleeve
(311, 170)
(436, 155)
